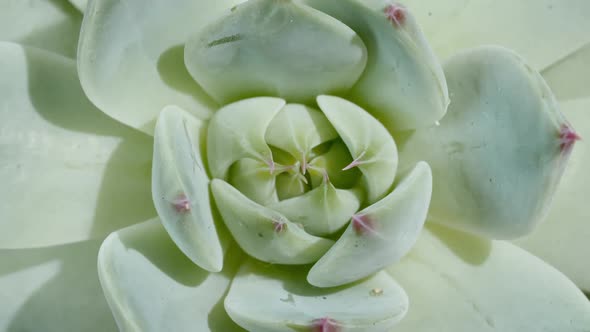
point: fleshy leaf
(569, 77)
(467, 284)
(79, 4)
(379, 235)
(291, 184)
(370, 145)
(297, 129)
(253, 179)
(151, 286)
(271, 298)
(463, 24)
(403, 84)
(322, 211)
(53, 289)
(68, 172)
(237, 131)
(49, 25)
(332, 163)
(263, 233)
(498, 154)
(130, 57)
(562, 240)
(180, 188)
(276, 48)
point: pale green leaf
(370, 145)
(461, 283)
(403, 84)
(68, 172)
(298, 129)
(150, 285)
(253, 179)
(53, 289)
(49, 25)
(498, 154)
(131, 52)
(180, 188)
(379, 235)
(264, 233)
(569, 78)
(237, 131)
(542, 31)
(277, 48)
(270, 298)
(321, 211)
(563, 239)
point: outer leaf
(403, 84)
(379, 235)
(151, 286)
(68, 172)
(499, 152)
(50, 25)
(237, 131)
(369, 143)
(53, 289)
(276, 48)
(263, 233)
(463, 24)
(569, 77)
(466, 284)
(563, 239)
(267, 298)
(322, 211)
(130, 57)
(180, 188)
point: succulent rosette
(305, 165)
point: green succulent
(314, 167)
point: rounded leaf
(276, 48)
(499, 152)
(271, 298)
(403, 84)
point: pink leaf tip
(325, 324)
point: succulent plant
(316, 168)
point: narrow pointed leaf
(180, 188)
(379, 235)
(370, 145)
(267, 298)
(263, 233)
(276, 48)
(500, 150)
(237, 131)
(403, 84)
